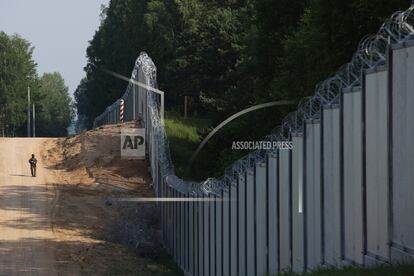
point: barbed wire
(371, 52)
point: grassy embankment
(184, 137)
(400, 270)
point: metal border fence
(341, 197)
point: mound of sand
(94, 229)
(93, 159)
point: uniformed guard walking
(33, 162)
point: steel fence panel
(376, 145)
(313, 196)
(206, 235)
(352, 162)
(219, 237)
(176, 229)
(191, 230)
(402, 153)
(233, 229)
(212, 236)
(298, 246)
(173, 239)
(273, 225)
(196, 257)
(332, 188)
(201, 237)
(168, 222)
(171, 222)
(186, 236)
(241, 200)
(260, 213)
(174, 222)
(180, 231)
(284, 211)
(129, 107)
(250, 220)
(226, 235)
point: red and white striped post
(121, 110)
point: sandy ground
(57, 223)
(26, 206)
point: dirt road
(26, 204)
(62, 223)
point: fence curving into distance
(342, 196)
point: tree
(227, 54)
(328, 35)
(17, 72)
(49, 94)
(56, 108)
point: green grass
(184, 138)
(396, 270)
(133, 265)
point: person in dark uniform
(33, 162)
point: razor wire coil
(371, 52)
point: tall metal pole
(34, 121)
(28, 111)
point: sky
(58, 29)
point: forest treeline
(49, 94)
(227, 54)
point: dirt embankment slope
(89, 173)
(65, 221)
